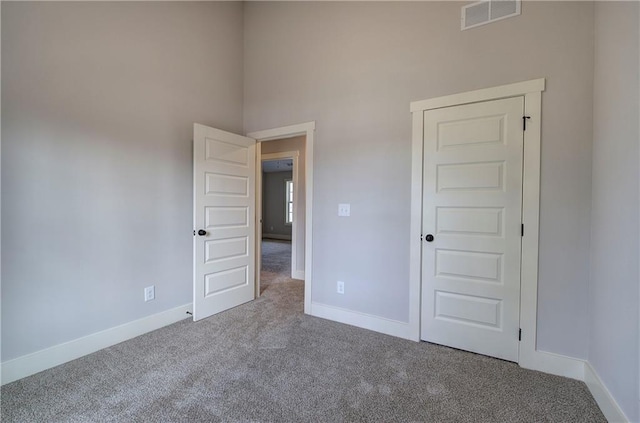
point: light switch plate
(344, 210)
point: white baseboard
(362, 320)
(581, 370)
(297, 274)
(554, 364)
(38, 361)
(276, 236)
(603, 397)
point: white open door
(224, 220)
(472, 203)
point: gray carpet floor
(266, 361)
(276, 263)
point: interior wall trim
(47, 358)
(608, 405)
(362, 320)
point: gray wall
(273, 207)
(354, 68)
(98, 100)
(295, 144)
(613, 293)
(98, 105)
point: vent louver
(487, 11)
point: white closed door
(471, 226)
(224, 220)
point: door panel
(472, 203)
(224, 207)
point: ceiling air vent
(487, 11)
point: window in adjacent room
(288, 205)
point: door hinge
(524, 122)
(520, 334)
(522, 229)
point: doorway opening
(280, 212)
(227, 214)
(293, 142)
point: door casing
(532, 90)
(307, 129)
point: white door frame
(307, 129)
(529, 356)
(293, 155)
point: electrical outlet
(150, 293)
(344, 210)
(340, 287)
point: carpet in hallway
(275, 263)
